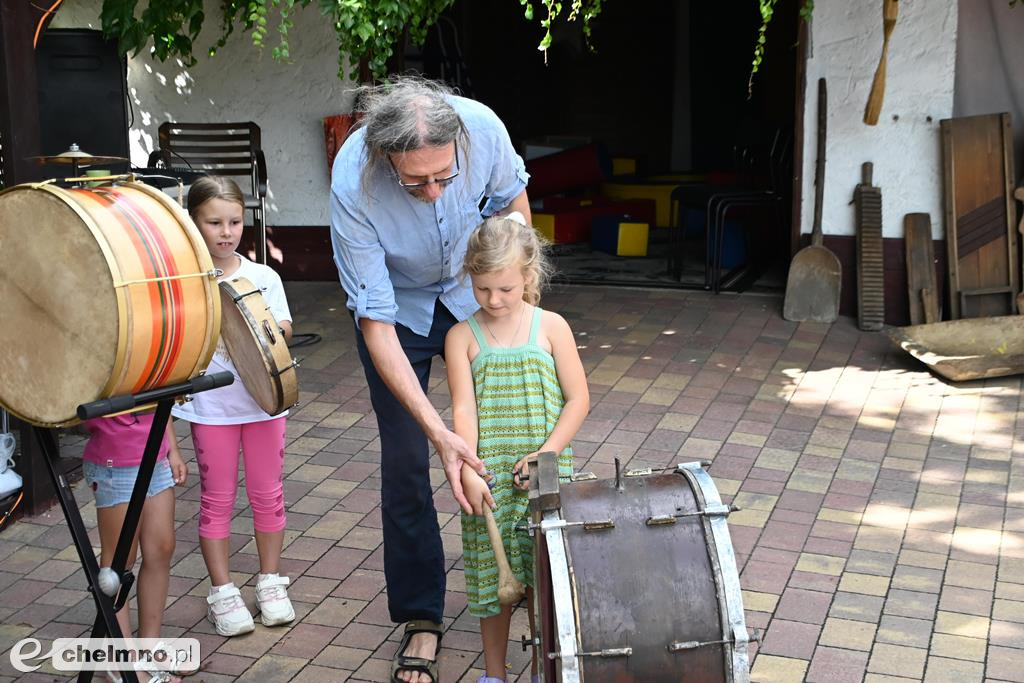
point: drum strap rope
(212, 274)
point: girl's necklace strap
(515, 335)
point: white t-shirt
(233, 404)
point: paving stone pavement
(880, 536)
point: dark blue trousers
(413, 555)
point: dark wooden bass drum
(636, 578)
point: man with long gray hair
(422, 171)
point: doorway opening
(663, 103)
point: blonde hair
(500, 243)
(210, 187)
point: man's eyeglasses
(441, 182)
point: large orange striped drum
(103, 291)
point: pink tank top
(119, 441)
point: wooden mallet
(510, 591)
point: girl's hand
(476, 490)
(179, 470)
(521, 470)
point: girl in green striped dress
(518, 388)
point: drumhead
(58, 308)
(259, 356)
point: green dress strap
(535, 324)
(481, 340)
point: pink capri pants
(217, 446)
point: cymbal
(76, 157)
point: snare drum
(257, 347)
(103, 291)
(636, 581)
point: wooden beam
(19, 135)
(796, 214)
(19, 105)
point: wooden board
(980, 236)
(1019, 194)
(921, 289)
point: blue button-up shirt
(396, 255)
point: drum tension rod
(241, 296)
(529, 642)
(549, 524)
(682, 645)
(575, 476)
(611, 652)
(709, 511)
(296, 362)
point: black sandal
(417, 664)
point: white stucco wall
(287, 101)
(907, 155)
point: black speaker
(82, 97)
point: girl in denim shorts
(110, 465)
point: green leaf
(364, 29)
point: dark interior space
(79, 71)
(666, 87)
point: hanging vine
(366, 30)
(767, 8)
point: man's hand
(454, 451)
(478, 493)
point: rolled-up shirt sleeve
(360, 259)
(508, 176)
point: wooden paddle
(890, 9)
(812, 289)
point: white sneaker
(272, 600)
(227, 611)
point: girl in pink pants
(228, 419)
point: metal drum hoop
(723, 559)
(563, 592)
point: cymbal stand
(110, 586)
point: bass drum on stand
(103, 291)
(636, 578)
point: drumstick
(509, 589)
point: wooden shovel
(890, 9)
(812, 289)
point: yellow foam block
(632, 239)
(623, 166)
(661, 194)
(544, 223)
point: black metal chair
(720, 204)
(228, 149)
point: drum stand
(110, 587)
